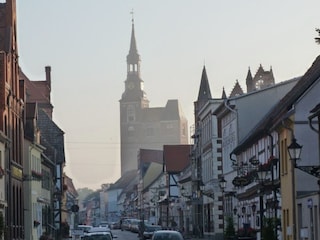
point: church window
(259, 84)
(130, 114)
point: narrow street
(124, 235)
(127, 235)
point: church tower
(261, 79)
(131, 104)
(142, 127)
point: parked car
(167, 235)
(84, 228)
(126, 224)
(97, 236)
(114, 225)
(149, 229)
(101, 229)
(134, 225)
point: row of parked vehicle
(94, 233)
(131, 224)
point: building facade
(206, 162)
(11, 120)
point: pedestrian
(44, 236)
(141, 229)
(121, 224)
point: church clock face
(130, 85)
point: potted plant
(247, 233)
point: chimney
(48, 76)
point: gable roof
(237, 90)
(51, 135)
(128, 179)
(37, 91)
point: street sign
(75, 208)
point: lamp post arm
(310, 122)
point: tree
(1, 224)
(268, 229)
(317, 38)
(230, 232)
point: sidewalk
(204, 238)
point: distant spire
(249, 81)
(249, 76)
(204, 91)
(224, 95)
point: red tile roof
(176, 157)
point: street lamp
(262, 174)
(294, 150)
(222, 183)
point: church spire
(204, 91)
(133, 58)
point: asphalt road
(124, 235)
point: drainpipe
(293, 180)
(274, 190)
(310, 118)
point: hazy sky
(86, 44)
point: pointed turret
(249, 81)
(271, 74)
(224, 95)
